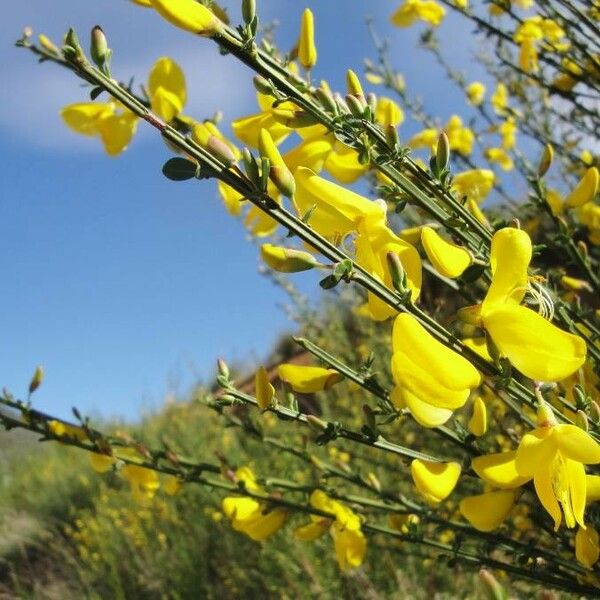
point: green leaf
(179, 169)
(95, 92)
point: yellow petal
(247, 129)
(239, 508)
(343, 164)
(308, 380)
(576, 444)
(338, 210)
(172, 485)
(350, 546)
(101, 463)
(264, 391)
(263, 524)
(435, 481)
(188, 15)
(85, 117)
(535, 449)
(387, 112)
(499, 470)
(587, 546)
(545, 491)
(232, 199)
(509, 258)
(536, 347)
(311, 153)
(427, 369)
(577, 490)
(448, 259)
(477, 424)
(586, 189)
(307, 51)
(425, 414)
(312, 531)
(116, 132)
(592, 488)
(487, 511)
(166, 88)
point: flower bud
(545, 160)
(219, 149)
(36, 380)
(442, 155)
(325, 97)
(493, 588)
(287, 260)
(594, 411)
(356, 106)
(47, 44)
(262, 85)
(545, 415)
(391, 135)
(574, 284)
(279, 173)
(222, 368)
(581, 420)
(397, 272)
(354, 85)
(248, 10)
(374, 481)
(98, 47)
(307, 51)
(582, 247)
(264, 391)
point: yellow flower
(101, 463)
(477, 424)
(589, 215)
(188, 15)
(248, 128)
(250, 516)
(114, 125)
(166, 88)
(264, 391)
(308, 380)
(587, 548)
(508, 131)
(475, 93)
(414, 10)
(431, 380)
(475, 184)
(387, 112)
(61, 429)
(172, 485)
(427, 138)
(554, 455)
(307, 51)
(144, 482)
(448, 259)
(374, 242)
(461, 138)
(487, 511)
(345, 529)
(499, 99)
(585, 191)
(569, 76)
(338, 211)
(533, 345)
(500, 157)
(434, 480)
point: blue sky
(126, 286)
